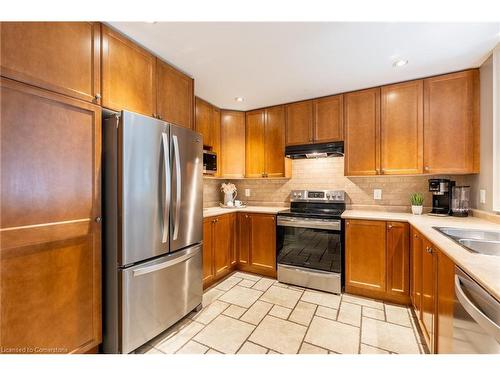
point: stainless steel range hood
(315, 151)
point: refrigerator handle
(178, 181)
(166, 199)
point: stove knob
(300, 195)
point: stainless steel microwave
(209, 162)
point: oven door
(314, 244)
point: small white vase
(416, 210)
(228, 197)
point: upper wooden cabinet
(175, 96)
(365, 255)
(265, 142)
(208, 122)
(63, 57)
(203, 120)
(451, 123)
(362, 132)
(232, 139)
(401, 134)
(50, 198)
(128, 75)
(299, 121)
(328, 119)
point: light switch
(482, 196)
(247, 192)
(377, 193)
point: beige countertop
(215, 211)
(485, 269)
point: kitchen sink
(486, 242)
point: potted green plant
(417, 203)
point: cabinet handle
(389, 226)
(97, 97)
(377, 171)
(429, 250)
(426, 168)
(98, 219)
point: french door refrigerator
(153, 215)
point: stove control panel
(317, 196)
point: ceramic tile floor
(247, 314)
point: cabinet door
(243, 235)
(255, 140)
(401, 130)
(233, 257)
(208, 253)
(232, 137)
(398, 260)
(51, 238)
(203, 120)
(329, 119)
(428, 293)
(445, 303)
(215, 135)
(63, 57)
(128, 75)
(174, 95)
(263, 243)
(274, 142)
(365, 255)
(451, 123)
(416, 272)
(299, 121)
(362, 132)
(223, 245)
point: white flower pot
(416, 210)
(229, 197)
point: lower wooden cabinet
(445, 303)
(245, 241)
(428, 314)
(218, 247)
(257, 243)
(377, 259)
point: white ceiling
(273, 63)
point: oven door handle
(311, 223)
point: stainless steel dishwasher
(476, 318)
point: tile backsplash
(328, 173)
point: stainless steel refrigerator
(153, 215)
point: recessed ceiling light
(399, 62)
(151, 22)
(239, 99)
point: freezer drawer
(157, 294)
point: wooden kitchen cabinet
(51, 231)
(257, 243)
(232, 138)
(377, 260)
(175, 95)
(416, 248)
(203, 120)
(402, 128)
(451, 123)
(265, 143)
(299, 123)
(365, 256)
(328, 119)
(398, 261)
(219, 253)
(215, 136)
(362, 132)
(428, 315)
(128, 75)
(62, 57)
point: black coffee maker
(441, 190)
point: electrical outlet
(247, 192)
(377, 194)
(482, 196)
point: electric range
(310, 240)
